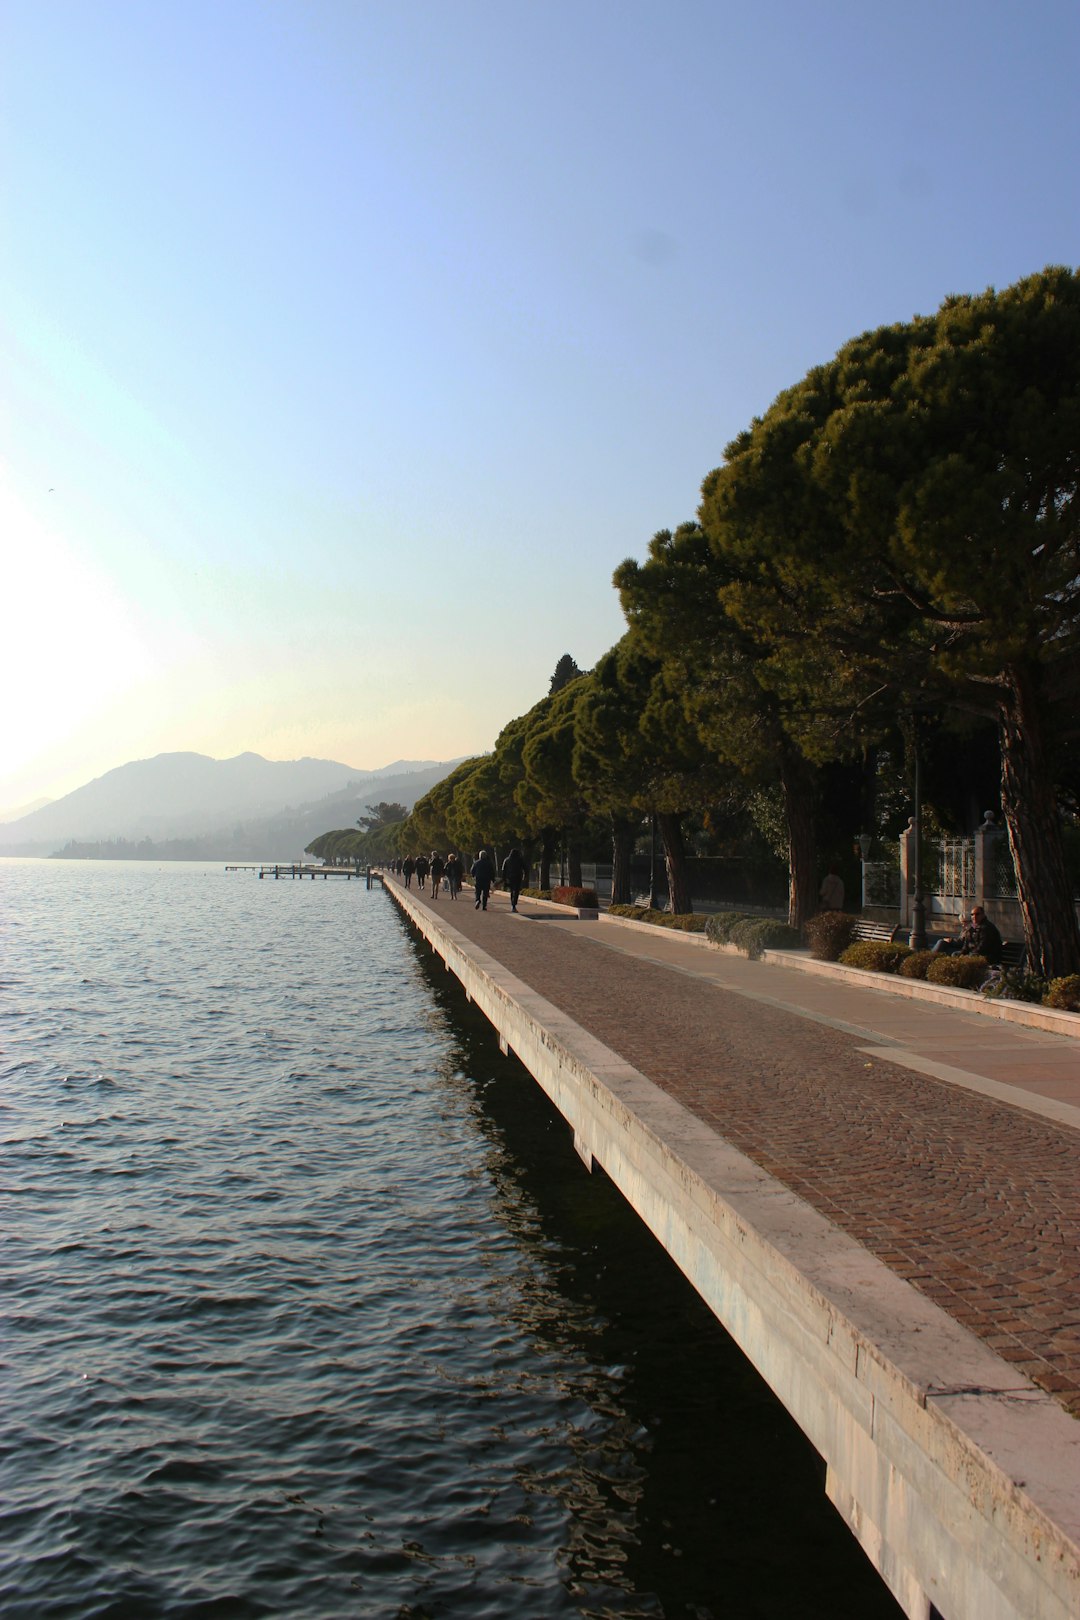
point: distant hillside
(20, 810)
(231, 804)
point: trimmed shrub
(962, 972)
(915, 966)
(1013, 984)
(773, 935)
(566, 895)
(687, 921)
(743, 934)
(756, 934)
(718, 927)
(875, 955)
(537, 894)
(1064, 993)
(829, 933)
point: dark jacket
(514, 869)
(483, 870)
(983, 939)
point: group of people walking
(451, 871)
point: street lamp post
(917, 937)
(654, 898)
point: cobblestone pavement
(975, 1202)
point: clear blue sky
(348, 347)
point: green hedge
(829, 934)
(916, 965)
(961, 972)
(688, 922)
(1064, 993)
(875, 955)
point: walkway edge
(1025, 1013)
(959, 1477)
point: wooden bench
(866, 928)
(1014, 954)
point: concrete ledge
(959, 1477)
(589, 913)
(1011, 1012)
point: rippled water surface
(310, 1309)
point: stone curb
(1010, 1012)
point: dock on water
(874, 1187)
(302, 869)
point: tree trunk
(1034, 824)
(675, 861)
(797, 781)
(623, 839)
(573, 859)
(547, 850)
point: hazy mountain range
(190, 807)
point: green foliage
(752, 934)
(684, 922)
(770, 934)
(718, 927)
(961, 972)
(536, 894)
(1014, 984)
(566, 670)
(1064, 993)
(829, 933)
(380, 815)
(902, 524)
(875, 955)
(916, 965)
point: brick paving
(973, 1201)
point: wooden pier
(301, 869)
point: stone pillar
(986, 842)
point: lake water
(309, 1308)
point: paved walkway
(946, 1143)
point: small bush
(773, 935)
(1013, 984)
(567, 895)
(743, 933)
(829, 933)
(719, 925)
(915, 966)
(962, 972)
(756, 934)
(687, 921)
(1064, 993)
(537, 894)
(875, 955)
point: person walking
(455, 871)
(514, 873)
(421, 871)
(437, 868)
(483, 874)
(408, 867)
